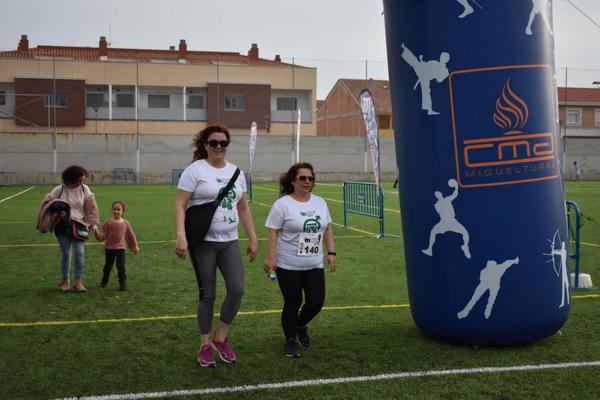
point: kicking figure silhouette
(489, 278)
(426, 72)
(448, 222)
(541, 7)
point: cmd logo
(504, 119)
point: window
(2, 98)
(287, 104)
(234, 102)
(55, 100)
(383, 121)
(95, 100)
(573, 116)
(195, 101)
(125, 100)
(597, 119)
(159, 101)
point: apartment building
(151, 91)
(579, 110)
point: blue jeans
(66, 242)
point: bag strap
(227, 188)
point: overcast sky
(336, 36)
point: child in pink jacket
(118, 236)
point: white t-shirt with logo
(301, 228)
(204, 182)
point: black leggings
(110, 257)
(292, 283)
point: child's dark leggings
(111, 256)
(292, 284)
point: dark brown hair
(285, 180)
(201, 139)
(120, 203)
(73, 173)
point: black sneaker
(291, 348)
(123, 285)
(104, 280)
(303, 337)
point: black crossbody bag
(198, 218)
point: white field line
(334, 381)
(15, 195)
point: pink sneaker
(224, 349)
(205, 357)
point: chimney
(103, 48)
(277, 58)
(172, 48)
(23, 43)
(182, 51)
(253, 52)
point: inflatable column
(483, 209)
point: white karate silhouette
(562, 253)
(468, 9)
(489, 278)
(426, 71)
(448, 222)
(541, 7)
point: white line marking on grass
(15, 195)
(334, 381)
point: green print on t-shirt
(312, 225)
(227, 201)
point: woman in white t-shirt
(201, 183)
(299, 223)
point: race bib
(309, 244)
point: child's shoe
(104, 280)
(78, 286)
(65, 285)
(123, 285)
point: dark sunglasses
(305, 178)
(215, 143)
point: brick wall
(340, 115)
(257, 99)
(29, 105)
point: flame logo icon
(511, 111)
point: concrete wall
(586, 151)
(27, 158)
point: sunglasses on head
(305, 178)
(215, 143)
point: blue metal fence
(364, 198)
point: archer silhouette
(562, 253)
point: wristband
(331, 253)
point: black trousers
(110, 257)
(292, 284)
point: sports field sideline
(142, 343)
